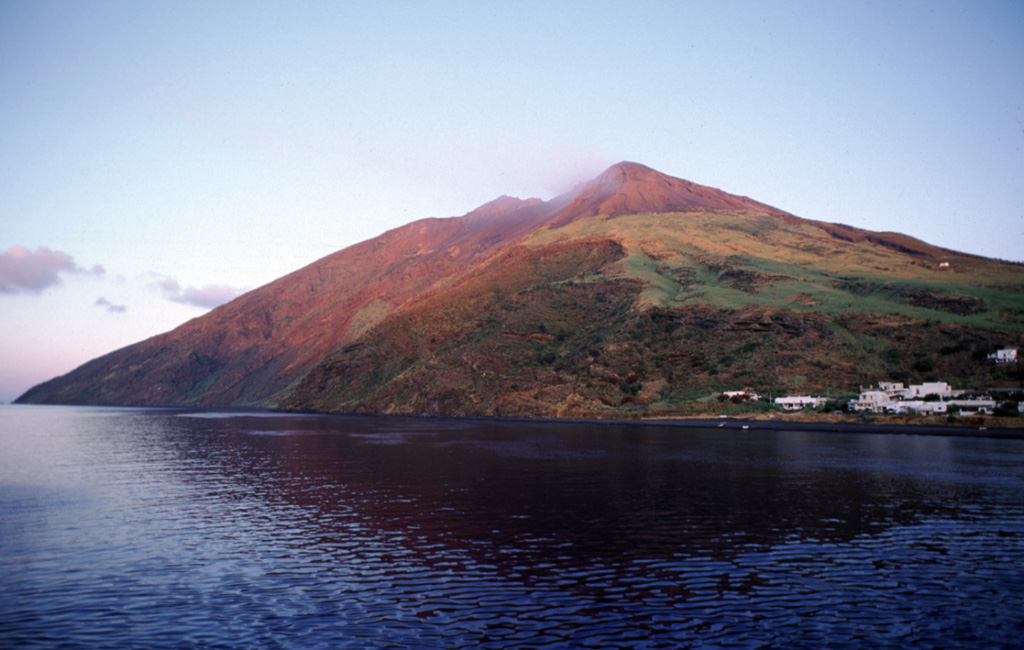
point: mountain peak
(631, 188)
(627, 170)
(503, 205)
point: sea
(185, 528)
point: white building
(895, 390)
(875, 401)
(920, 407)
(975, 406)
(940, 388)
(1008, 355)
(798, 402)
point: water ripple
(141, 527)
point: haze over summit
(216, 149)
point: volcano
(636, 294)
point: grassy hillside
(735, 260)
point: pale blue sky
(192, 148)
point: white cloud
(38, 270)
(206, 297)
(111, 307)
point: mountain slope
(638, 292)
(250, 351)
(668, 309)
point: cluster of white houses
(929, 398)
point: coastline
(970, 427)
(984, 427)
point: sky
(158, 158)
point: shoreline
(893, 425)
(979, 427)
(881, 424)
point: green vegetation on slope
(654, 315)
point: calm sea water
(192, 529)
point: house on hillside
(1007, 355)
(895, 390)
(738, 396)
(880, 400)
(799, 402)
(873, 401)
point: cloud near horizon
(206, 297)
(111, 307)
(35, 271)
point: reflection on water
(168, 528)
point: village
(895, 398)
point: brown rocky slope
(253, 349)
